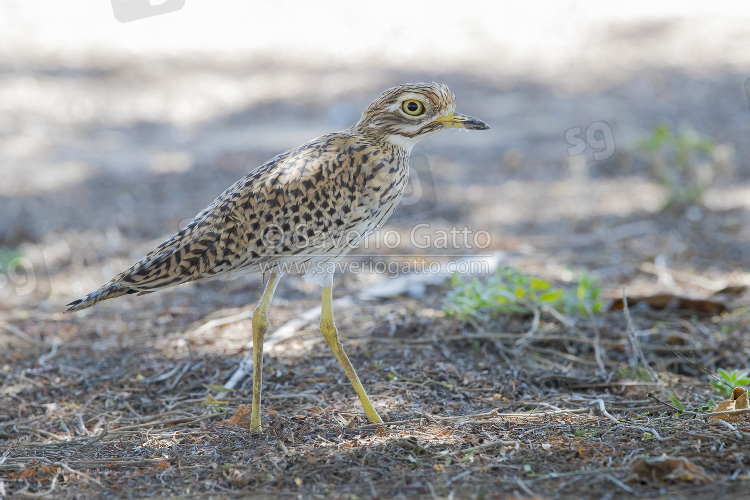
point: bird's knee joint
(327, 326)
(260, 321)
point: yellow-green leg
(260, 325)
(331, 335)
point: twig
(620, 483)
(163, 376)
(597, 341)
(487, 446)
(527, 338)
(5, 455)
(604, 412)
(668, 405)
(415, 283)
(46, 357)
(730, 427)
(585, 472)
(73, 471)
(525, 488)
(42, 433)
(101, 436)
(21, 335)
(215, 323)
(155, 422)
(662, 273)
(292, 395)
(634, 340)
(726, 412)
(458, 476)
(689, 278)
(394, 422)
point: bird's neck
(398, 144)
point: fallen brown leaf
(666, 469)
(240, 417)
(739, 401)
(664, 300)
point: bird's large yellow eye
(413, 107)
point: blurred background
(619, 136)
(617, 156)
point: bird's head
(406, 114)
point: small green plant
(9, 259)
(724, 382)
(685, 412)
(587, 298)
(510, 291)
(677, 404)
(634, 373)
(685, 162)
(214, 405)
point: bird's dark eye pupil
(412, 106)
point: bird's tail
(108, 291)
(181, 258)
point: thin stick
(613, 419)
(597, 341)
(620, 483)
(486, 446)
(73, 471)
(525, 487)
(634, 340)
(689, 278)
(528, 336)
(21, 335)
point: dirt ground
(103, 154)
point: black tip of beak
(474, 124)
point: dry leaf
(732, 290)
(739, 401)
(666, 469)
(664, 300)
(240, 417)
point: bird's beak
(462, 121)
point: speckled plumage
(302, 210)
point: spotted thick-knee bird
(301, 212)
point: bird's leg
(260, 325)
(331, 335)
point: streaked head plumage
(408, 113)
